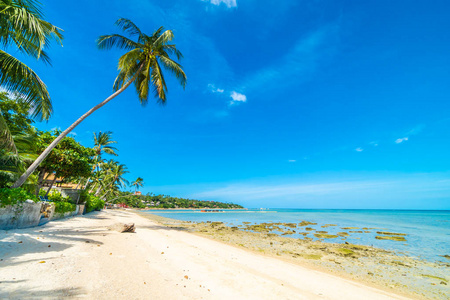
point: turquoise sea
(428, 232)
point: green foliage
(63, 207)
(145, 59)
(16, 138)
(14, 196)
(93, 203)
(69, 159)
(56, 196)
(23, 29)
(165, 201)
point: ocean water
(428, 232)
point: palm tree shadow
(42, 293)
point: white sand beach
(80, 257)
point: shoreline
(80, 257)
(369, 265)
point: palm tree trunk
(98, 190)
(50, 187)
(40, 180)
(47, 151)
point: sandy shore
(80, 257)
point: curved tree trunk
(47, 151)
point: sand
(80, 257)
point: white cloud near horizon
(228, 3)
(237, 97)
(401, 140)
(359, 149)
(292, 160)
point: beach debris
(162, 252)
(20, 242)
(42, 262)
(186, 277)
(122, 227)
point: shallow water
(428, 232)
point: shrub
(13, 196)
(56, 196)
(93, 203)
(63, 207)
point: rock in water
(121, 227)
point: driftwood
(121, 227)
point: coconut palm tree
(102, 144)
(23, 28)
(142, 64)
(114, 175)
(139, 182)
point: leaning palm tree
(139, 182)
(142, 64)
(23, 28)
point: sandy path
(86, 260)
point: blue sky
(309, 104)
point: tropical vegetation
(165, 201)
(23, 28)
(58, 157)
(142, 65)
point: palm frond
(6, 139)
(15, 76)
(175, 68)
(165, 37)
(106, 42)
(129, 27)
(158, 83)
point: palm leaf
(15, 76)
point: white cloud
(375, 144)
(292, 160)
(228, 3)
(398, 141)
(213, 89)
(237, 97)
(73, 133)
(359, 149)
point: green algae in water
(347, 228)
(328, 225)
(309, 228)
(445, 256)
(392, 238)
(342, 234)
(306, 223)
(344, 252)
(391, 233)
(325, 236)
